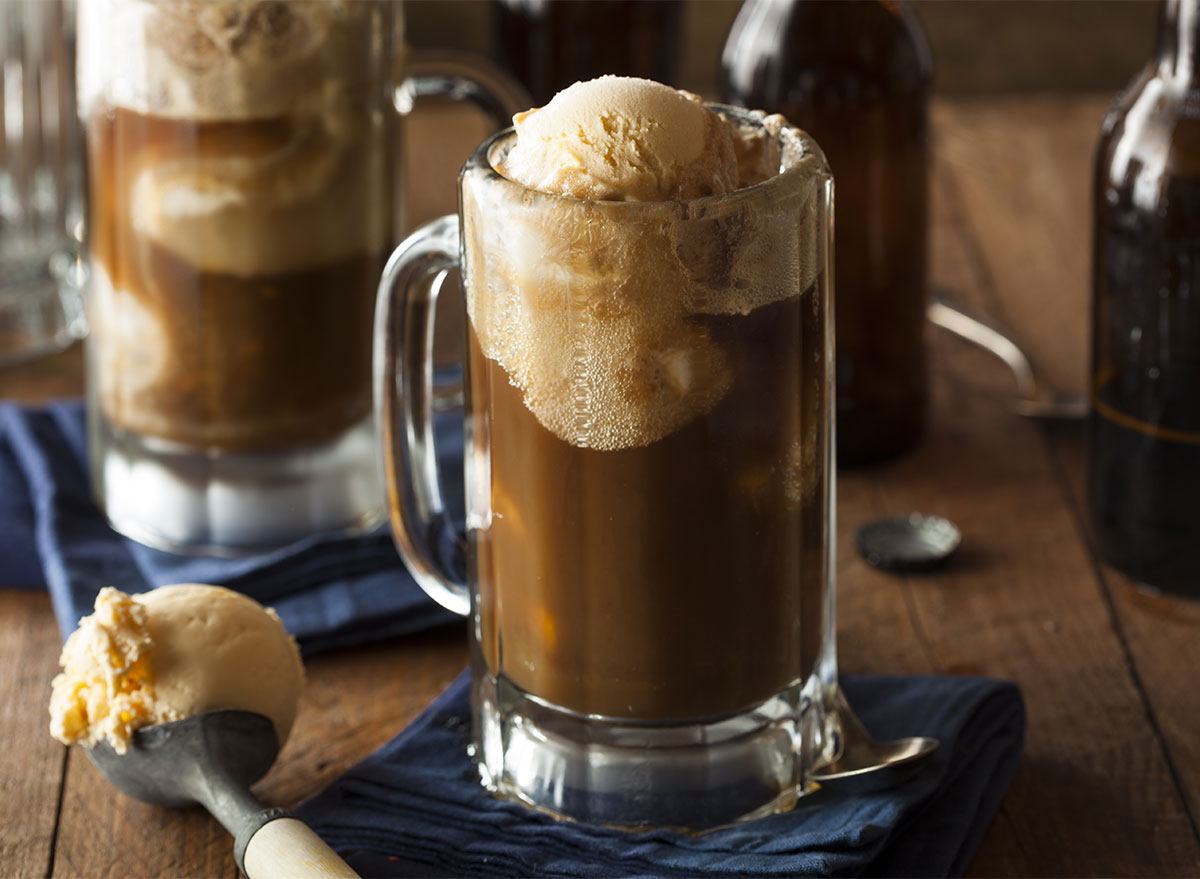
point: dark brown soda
(681, 579)
(252, 362)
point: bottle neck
(1178, 39)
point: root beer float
(648, 574)
(239, 164)
(656, 435)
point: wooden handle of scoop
(286, 848)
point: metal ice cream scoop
(212, 759)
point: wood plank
(1029, 212)
(354, 701)
(31, 762)
(1096, 776)
(357, 700)
(38, 381)
(1161, 634)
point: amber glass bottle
(550, 44)
(856, 75)
(1144, 451)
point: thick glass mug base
(691, 776)
(198, 501)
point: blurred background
(978, 47)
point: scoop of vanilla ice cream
(623, 139)
(168, 654)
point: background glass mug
(41, 304)
(647, 563)
(243, 197)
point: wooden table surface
(1109, 783)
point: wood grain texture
(32, 383)
(1160, 634)
(1019, 174)
(1026, 210)
(30, 761)
(355, 701)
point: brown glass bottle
(550, 44)
(856, 76)
(1144, 426)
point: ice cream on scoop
(179, 650)
(623, 139)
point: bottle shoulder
(845, 50)
(1151, 130)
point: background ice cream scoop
(623, 139)
(168, 654)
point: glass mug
(646, 567)
(243, 197)
(41, 304)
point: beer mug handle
(429, 542)
(461, 77)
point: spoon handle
(284, 847)
(948, 315)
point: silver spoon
(1035, 399)
(212, 759)
(864, 764)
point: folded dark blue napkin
(416, 808)
(329, 591)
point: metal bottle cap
(908, 543)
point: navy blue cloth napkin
(329, 591)
(416, 808)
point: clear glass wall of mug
(242, 160)
(647, 570)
